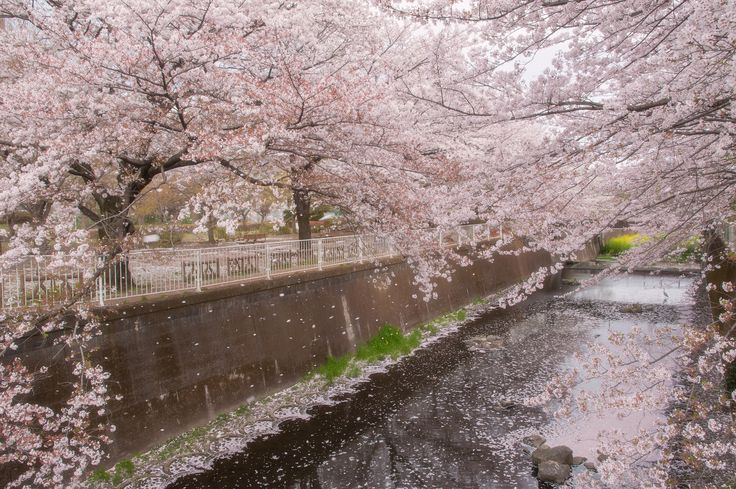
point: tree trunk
(113, 226)
(303, 204)
(111, 217)
(211, 230)
(724, 270)
(118, 273)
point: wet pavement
(440, 418)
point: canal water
(441, 418)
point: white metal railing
(48, 280)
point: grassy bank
(389, 342)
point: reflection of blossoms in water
(637, 372)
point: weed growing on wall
(389, 342)
(121, 471)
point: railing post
(440, 238)
(268, 261)
(459, 237)
(500, 232)
(359, 240)
(320, 254)
(101, 283)
(198, 277)
(473, 239)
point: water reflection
(641, 289)
(437, 420)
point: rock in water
(578, 460)
(560, 454)
(551, 471)
(484, 343)
(534, 440)
(590, 466)
(507, 404)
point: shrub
(100, 475)
(333, 368)
(619, 244)
(123, 470)
(388, 342)
(242, 410)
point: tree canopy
(556, 119)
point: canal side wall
(179, 360)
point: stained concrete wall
(181, 359)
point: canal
(452, 415)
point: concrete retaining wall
(180, 360)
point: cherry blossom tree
(634, 123)
(409, 116)
(141, 90)
(343, 124)
(98, 99)
(101, 102)
(210, 209)
(634, 100)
